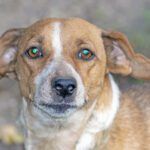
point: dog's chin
(56, 110)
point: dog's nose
(64, 86)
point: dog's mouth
(56, 110)
(59, 108)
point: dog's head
(61, 64)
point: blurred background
(128, 16)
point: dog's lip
(55, 106)
(58, 108)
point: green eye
(34, 52)
(86, 54)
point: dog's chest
(57, 141)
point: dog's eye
(85, 54)
(34, 52)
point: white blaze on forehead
(56, 40)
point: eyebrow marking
(39, 39)
(56, 40)
(80, 42)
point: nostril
(71, 88)
(58, 87)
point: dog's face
(56, 63)
(61, 64)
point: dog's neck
(78, 132)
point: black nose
(64, 86)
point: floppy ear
(8, 50)
(122, 59)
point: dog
(70, 100)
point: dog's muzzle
(63, 95)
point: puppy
(70, 99)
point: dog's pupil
(85, 52)
(34, 50)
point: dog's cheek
(25, 79)
(93, 80)
(94, 93)
(43, 91)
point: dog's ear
(8, 51)
(122, 59)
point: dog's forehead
(71, 27)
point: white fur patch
(57, 46)
(100, 120)
(56, 40)
(87, 142)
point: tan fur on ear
(134, 64)
(8, 50)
